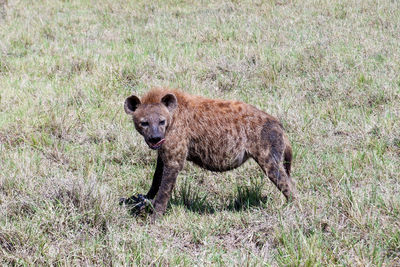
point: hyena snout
(155, 140)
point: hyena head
(152, 120)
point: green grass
(329, 70)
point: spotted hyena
(217, 135)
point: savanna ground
(330, 70)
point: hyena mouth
(157, 145)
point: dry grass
(328, 69)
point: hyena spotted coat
(217, 135)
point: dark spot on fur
(274, 174)
(238, 128)
(222, 105)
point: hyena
(217, 135)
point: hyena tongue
(159, 142)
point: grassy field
(329, 70)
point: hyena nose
(155, 140)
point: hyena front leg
(164, 193)
(173, 161)
(155, 185)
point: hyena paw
(137, 205)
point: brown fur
(217, 135)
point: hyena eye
(162, 122)
(144, 123)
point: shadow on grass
(245, 197)
(191, 199)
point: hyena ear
(170, 101)
(131, 104)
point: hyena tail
(287, 159)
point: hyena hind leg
(274, 157)
(277, 174)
